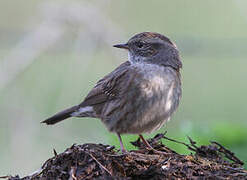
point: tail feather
(60, 116)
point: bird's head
(152, 48)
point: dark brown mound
(97, 161)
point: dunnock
(140, 95)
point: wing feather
(108, 88)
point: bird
(140, 95)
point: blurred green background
(52, 54)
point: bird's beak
(123, 46)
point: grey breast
(151, 97)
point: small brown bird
(140, 95)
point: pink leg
(121, 143)
(145, 142)
(150, 147)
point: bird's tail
(60, 116)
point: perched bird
(140, 95)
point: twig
(191, 147)
(228, 154)
(101, 165)
(55, 152)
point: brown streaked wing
(107, 88)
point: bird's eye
(140, 45)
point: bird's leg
(121, 144)
(145, 142)
(149, 147)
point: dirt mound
(97, 161)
